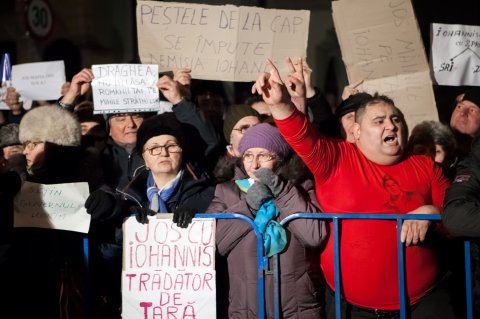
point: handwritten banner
(456, 54)
(168, 272)
(120, 88)
(227, 43)
(39, 81)
(55, 206)
(387, 53)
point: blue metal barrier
(262, 260)
(401, 261)
(86, 263)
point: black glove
(18, 164)
(10, 183)
(271, 180)
(257, 194)
(100, 204)
(183, 216)
(141, 214)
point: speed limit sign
(39, 18)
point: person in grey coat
(277, 185)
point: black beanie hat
(162, 124)
(351, 104)
(472, 95)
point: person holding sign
(49, 266)
(123, 161)
(168, 183)
(276, 185)
(374, 175)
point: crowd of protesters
(283, 151)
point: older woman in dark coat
(49, 268)
(276, 186)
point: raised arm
(80, 84)
(271, 87)
(177, 92)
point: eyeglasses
(122, 117)
(30, 145)
(242, 129)
(261, 157)
(169, 148)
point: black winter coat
(192, 192)
(461, 214)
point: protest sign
(226, 43)
(168, 272)
(40, 80)
(456, 54)
(55, 206)
(6, 79)
(123, 88)
(381, 44)
(3, 96)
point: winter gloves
(100, 204)
(257, 194)
(10, 183)
(268, 186)
(141, 214)
(182, 216)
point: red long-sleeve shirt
(347, 182)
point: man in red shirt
(372, 175)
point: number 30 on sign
(39, 18)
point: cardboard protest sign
(381, 44)
(456, 54)
(227, 43)
(168, 272)
(55, 206)
(121, 88)
(39, 81)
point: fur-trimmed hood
(50, 124)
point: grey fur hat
(9, 135)
(50, 124)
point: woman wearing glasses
(276, 185)
(50, 261)
(167, 183)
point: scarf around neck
(158, 197)
(274, 235)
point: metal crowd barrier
(262, 260)
(400, 262)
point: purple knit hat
(265, 136)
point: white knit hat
(50, 124)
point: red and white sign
(168, 272)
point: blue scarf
(274, 235)
(157, 198)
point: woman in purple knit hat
(276, 185)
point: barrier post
(86, 263)
(468, 280)
(262, 260)
(401, 269)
